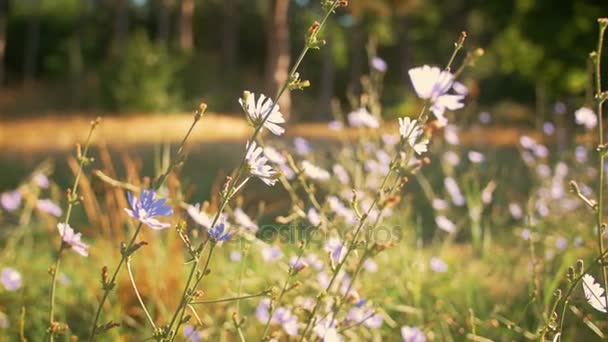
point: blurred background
(71, 57)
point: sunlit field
(438, 222)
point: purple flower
(526, 234)
(147, 207)
(561, 243)
(412, 334)
(271, 253)
(10, 200)
(379, 64)
(236, 256)
(243, 220)
(191, 334)
(580, 153)
(341, 174)
(302, 146)
(548, 128)
(335, 125)
(454, 191)
(560, 108)
(49, 207)
(282, 316)
(219, 233)
(11, 279)
(445, 224)
(41, 180)
(485, 118)
(361, 118)
(370, 266)
(72, 239)
(365, 316)
(476, 157)
(450, 133)
(438, 265)
(336, 249)
(261, 312)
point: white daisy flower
(256, 160)
(257, 112)
(411, 132)
(585, 117)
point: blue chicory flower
(11, 279)
(219, 233)
(10, 200)
(147, 208)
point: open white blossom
(256, 160)
(361, 117)
(314, 171)
(594, 293)
(585, 117)
(257, 111)
(410, 131)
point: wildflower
(379, 64)
(548, 128)
(236, 256)
(335, 125)
(412, 334)
(4, 322)
(541, 151)
(561, 243)
(336, 249)
(11, 279)
(288, 321)
(219, 233)
(341, 210)
(314, 171)
(439, 204)
(10, 200)
(451, 158)
(476, 157)
(242, 219)
(41, 180)
(365, 316)
(594, 293)
(361, 117)
(431, 83)
(313, 217)
(370, 266)
(271, 253)
(302, 146)
(261, 312)
(485, 118)
(410, 131)
(199, 216)
(326, 330)
(390, 139)
(314, 261)
(580, 153)
(72, 239)
(341, 174)
(438, 265)
(445, 224)
(297, 263)
(526, 235)
(147, 207)
(585, 117)
(450, 133)
(191, 334)
(274, 155)
(257, 164)
(560, 108)
(49, 207)
(257, 112)
(454, 191)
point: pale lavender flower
(485, 118)
(335, 125)
(365, 316)
(541, 151)
(274, 155)
(560, 108)
(302, 146)
(438, 265)
(314, 261)
(336, 249)
(451, 158)
(256, 162)
(314, 172)
(326, 330)
(370, 266)
(460, 88)
(561, 243)
(271, 253)
(450, 134)
(412, 334)
(390, 139)
(410, 132)
(585, 117)
(476, 157)
(580, 153)
(527, 142)
(191, 334)
(543, 171)
(362, 118)
(41, 180)
(288, 321)
(236, 256)
(72, 239)
(313, 217)
(49, 207)
(526, 234)
(257, 112)
(297, 263)
(439, 204)
(379, 64)
(199, 216)
(147, 208)
(245, 221)
(4, 322)
(10, 200)
(11, 279)
(454, 191)
(445, 224)
(262, 310)
(548, 128)
(341, 210)
(341, 174)
(578, 241)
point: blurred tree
(32, 41)
(164, 9)
(278, 57)
(121, 26)
(186, 28)
(230, 30)
(3, 21)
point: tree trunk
(230, 29)
(164, 22)
(328, 79)
(3, 21)
(76, 60)
(277, 65)
(121, 27)
(404, 49)
(357, 57)
(32, 43)
(186, 27)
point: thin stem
(141, 302)
(223, 300)
(600, 130)
(72, 197)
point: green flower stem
(141, 302)
(72, 197)
(108, 286)
(223, 300)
